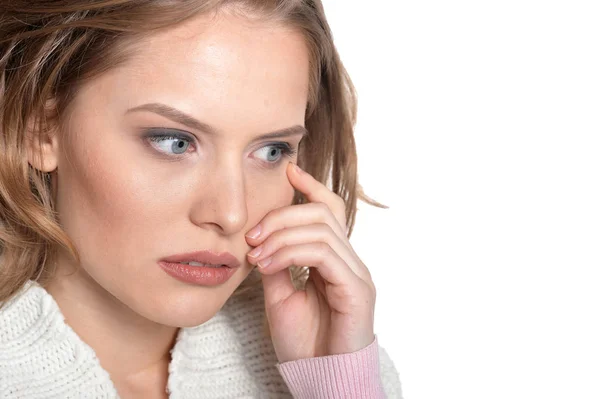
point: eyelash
(287, 150)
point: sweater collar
(229, 355)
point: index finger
(315, 191)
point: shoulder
(37, 345)
(20, 312)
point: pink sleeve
(350, 375)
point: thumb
(277, 287)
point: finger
(318, 282)
(318, 255)
(315, 191)
(320, 232)
(292, 216)
(344, 291)
(277, 287)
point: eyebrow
(189, 121)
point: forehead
(216, 68)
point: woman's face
(135, 186)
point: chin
(186, 308)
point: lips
(205, 258)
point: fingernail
(264, 263)
(255, 252)
(300, 171)
(254, 233)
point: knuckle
(368, 290)
(323, 209)
(324, 231)
(345, 292)
(339, 294)
(373, 291)
(322, 249)
(339, 201)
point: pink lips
(207, 257)
(201, 275)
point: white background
(479, 125)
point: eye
(171, 143)
(273, 153)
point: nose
(220, 204)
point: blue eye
(176, 144)
(170, 143)
(273, 153)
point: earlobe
(42, 143)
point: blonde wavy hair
(48, 48)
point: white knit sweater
(227, 357)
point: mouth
(198, 264)
(206, 275)
(205, 258)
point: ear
(41, 139)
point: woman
(152, 210)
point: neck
(131, 348)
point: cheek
(266, 196)
(100, 183)
(106, 195)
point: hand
(335, 312)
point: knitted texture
(42, 357)
(353, 375)
(229, 356)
